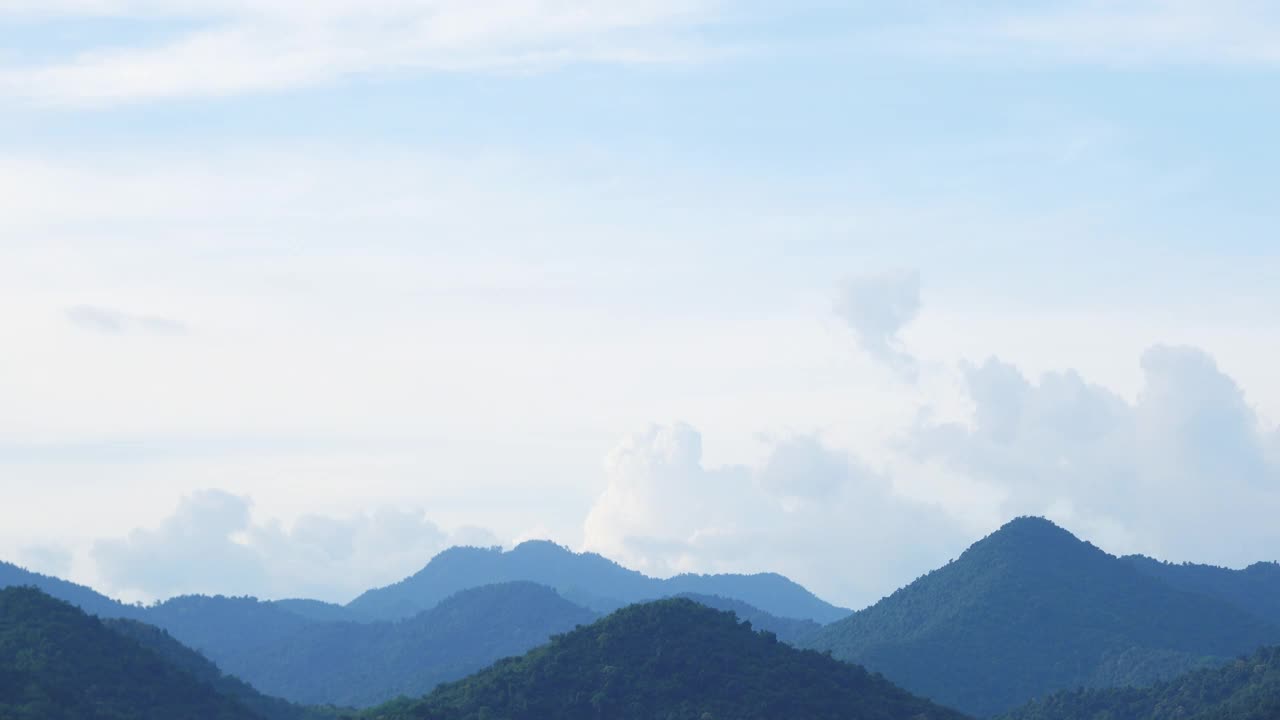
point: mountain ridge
(586, 578)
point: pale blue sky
(334, 257)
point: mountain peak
(1031, 539)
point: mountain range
(306, 651)
(1028, 612)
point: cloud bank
(212, 545)
(1186, 471)
(809, 511)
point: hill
(1255, 588)
(1030, 610)
(359, 664)
(585, 578)
(57, 662)
(668, 660)
(1245, 689)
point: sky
(294, 295)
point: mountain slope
(668, 660)
(1030, 610)
(1246, 689)
(585, 578)
(223, 628)
(358, 664)
(1255, 588)
(204, 671)
(57, 662)
(86, 599)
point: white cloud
(877, 307)
(1182, 472)
(808, 512)
(243, 47)
(212, 545)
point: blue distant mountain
(586, 578)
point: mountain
(584, 578)
(362, 664)
(58, 663)
(1030, 610)
(1246, 689)
(668, 660)
(1255, 588)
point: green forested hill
(1245, 689)
(57, 663)
(668, 660)
(1031, 610)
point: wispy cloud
(115, 322)
(229, 47)
(877, 308)
(1129, 33)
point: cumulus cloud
(876, 308)
(212, 545)
(808, 511)
(1183, 472)
(116, 322)
(191, 551)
